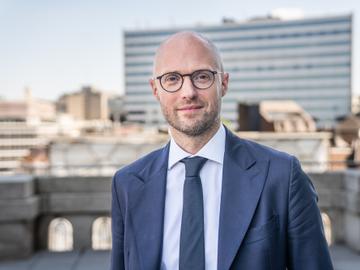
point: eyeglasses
(200, 79)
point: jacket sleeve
(307, 246)
(117, 229)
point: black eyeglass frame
(214, 72)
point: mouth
(190, 108)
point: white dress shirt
(211, 180)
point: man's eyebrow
(200, 68)
(171, 71)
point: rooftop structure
(277, 116)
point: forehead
(184, 54)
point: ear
(154, 88)
(224, 83)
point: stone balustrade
(28, 205)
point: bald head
(180, 43)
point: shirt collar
(213, 150)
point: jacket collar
(147, 202)
(243, 181)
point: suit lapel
(243, 181)
(147, 202)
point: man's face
(190, 111)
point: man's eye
(171, 78)
(202, 77)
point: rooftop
(343, 258)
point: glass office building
(306, 60)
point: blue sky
(54, 47)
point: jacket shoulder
(139, 165)
(281, 163)
(267, 151)
(261, 151)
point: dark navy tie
(192, 244)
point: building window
(327, 227)
(101, 233)
(60, 235)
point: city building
(355, 103)
(87, 104)
(306, 60)
(117, 108)
(25, 125)
(28, 109)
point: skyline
(56, 48)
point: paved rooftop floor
(343, 258)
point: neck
(192, 144)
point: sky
(56, 47)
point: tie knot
(193, 166)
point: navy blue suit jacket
(269, 218)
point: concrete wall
(19, 207)
(103, 155)
(339, 197)
(27, 206)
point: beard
(195, 125)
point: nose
(188, 90)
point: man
(208, 199)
